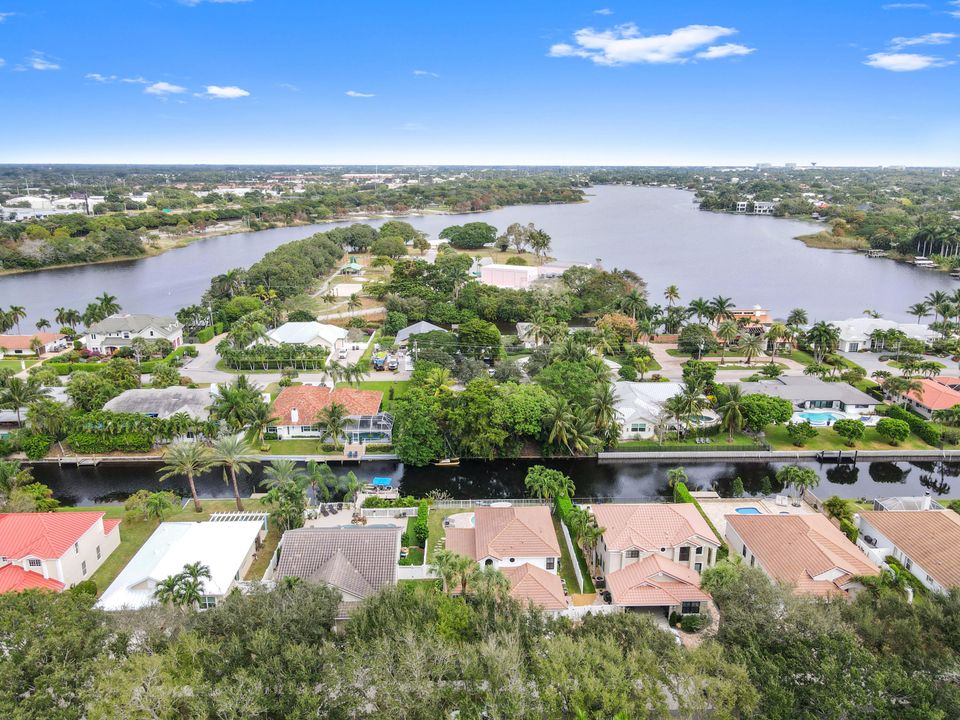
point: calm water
(657, 232)
(504, 478)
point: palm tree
(62, 316)
(732, 410)
(701, 308)
(283, 472)
(353, 302)
(42, 324)
(489, 583)
(937, 299)
(727, 331)
(19, 393)
(751, 345)
(259, 417)
(721, 308)
(560, 422)
(188, 459)
(333, 420)
(322, 479)
(463, 568)
(603, 408)
(190, 592)
(577, 520)
(632, 303)
(167, 591)
(691, 402)
(590, 537)
(443, 566)
(158, 504)
(196, 571)
(233, 453)
(777, 332)
(797, 318)
(642, 364)
(16, 313)
(824, 339)
(899, 386)
(108, 304)
(671, 294)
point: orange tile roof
(506, 532)
(109, 525)
(22, 342)
(309, 400)
(651, 526)
(930, 538)
(935, 396)
(797, 549)
(535, 586)
(42, 535)
(462, 541)
(655, 581)
(14, 578)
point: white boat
(921, 261)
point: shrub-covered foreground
(411, 652)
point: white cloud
(935, 38)
(603, 11)
(100, 78)
(5, 15)
(905, 62)
(425, 73)
(624, 45)
(290, 86)
(40, 61)
(137, 80)
(164, 88)
(905, 6)
(226, 92)
(354, 93)
(715, 52)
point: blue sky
(654, 82)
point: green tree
(333, 419)
(849, 430)
(762, 410)
(17, 393)
(187, 459)
(800, 432)
(233, 453)
(799, 478)
(159, 504)
(544, 482)
(732, 411)
(470, 236)
(893, 431)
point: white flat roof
(301, 333)
(221, 546)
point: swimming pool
(820, 418)
(748, 511)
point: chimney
(294, 416)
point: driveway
(672, 367)
(870, 361)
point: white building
(855, 332)
(515, 277)
(225, 544)
(119, 330)
(640, 408)
(312, 334)
(17, 345)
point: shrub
(893, 431)
(205, 335)
(87, 443)
(84, 587)
(628, 373)
(379, 502)
(693, 622)
(692, 335)
(514, 260)
(35, 446)
(850, 530)
(563, 505)
(849, 430)
(801, 432)
(675, 619)
(421, 529)
(924, 430)
(738, 490)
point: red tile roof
(655, 581)
(14, 578)
(22, 342)
(309, 400)
(500, 532)
(651, 526)
(42, 535)
(109, 525)
(535, 586)
(935, 396)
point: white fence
(578, 612)
(573, 555)
(389, 512)
(466, 504)
(415, 572)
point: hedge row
(563, 505)
(421, 528)
(146, 367)
(89, 443)
(372, 501)
(682, 495)
(35, 446)
(920, 427)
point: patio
(717, 508)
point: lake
(504, 478)
(657, 232)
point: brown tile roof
(462, 541)
(355, 560)
(535, 586)
(503, 532)
(22, 342)
(309, 400)
(651, 526)
(935, 396)
(655, 581)
(796, 549)
(930, 538)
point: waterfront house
(855, 333)
(925, 542)
(937, 394)
(761, 207)
(163, 402)
(652, 555)
(534, 586)
(312, 334)
(22, 345)
(226, 545)
(119, 330)
(807, 392)
(506, 537)
(357, 561)
(53, 550)
(9, 415)
(806, 552)
(418, 328)
(297, 408)
(514, 277)
(640, 408)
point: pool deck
(717, 509)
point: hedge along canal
(475, 479)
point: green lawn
(134, 533)
(399, 388)
(297, 446)
(740, 440)
(804, 358)
(437, 533)
(14, 363)
(415, 556)
(827, 439)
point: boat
(921, 261)
(876, 253)
(447, 462)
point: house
(763, 208)
(755, 316)
(652, 555)
(505, 537)
(225, 544)
(933, 396)
(312, 334)
(807, 392)
(22, 345)
(531, 585)
(515, 277)
(54, 550)
(163, 402)
(925, 542)
(297, 408)
(906, 502)
(357, 561)
(855, 333)
(640, 408)
(806, 552)
(9, 416)
(418, 328)
(119, 330)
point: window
(488, 562)
(83, 567)
(684, 554)
(34, 562)
(638, 427)
(907, 563)
(633, 553)
(752, 561)
(513, 560)
(207, 602)
(76, 548)
(690, 608)
(744, 551)
(698, 567)
(551, 563)
(98, 552)
(698, 551)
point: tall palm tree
(750, 345)
(777, 332)
(603, 408)
(732, 410)
(16, 313)
(42, 324)
(259, 417)
(108, 304)
(233, 402)
(722, 308)
(727, 331)
(443, 566)
(233, 453)
(797, 318)
(560, 421)
(18, 393)
(333, 420)
(701, 308)
(671, 294)
(463, 568)
(824, 338)
(283, 472)
(353, 302)
(899, 386)
(633, 303)
(937, 299)
(188, 459)
(62, 316)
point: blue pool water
(748, 511)
(820, 418)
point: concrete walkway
(672, 367)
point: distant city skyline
(696, 83)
